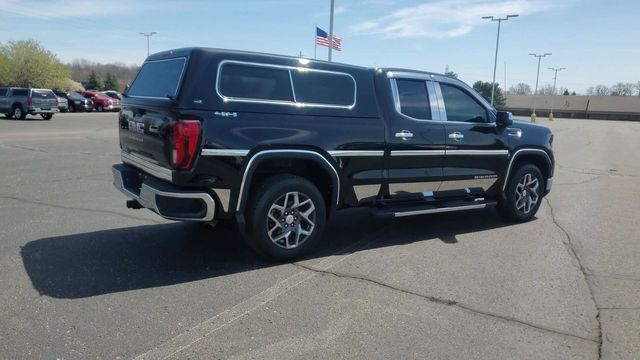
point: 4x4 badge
(225, 113)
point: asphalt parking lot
(81, 276)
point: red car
(101, 101)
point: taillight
(185, 143)
(29, 101)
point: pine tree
(111, 83)
(94, 82)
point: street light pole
(535, 92)
(555, 78)
(495, 61)
(148, 35)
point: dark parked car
(76, 102)
(278, 144)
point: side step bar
(433, 209)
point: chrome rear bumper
(162, 198)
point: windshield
(75, 96)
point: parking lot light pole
(555, 78)
(535, 92)
(495, 61)
(148, 35)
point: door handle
(404, 134)
(456, 136)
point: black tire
(8, 115)
(19, 113)
(47, 116)
(525, 186)
(100, 108)
(274, 191)
(72, 108)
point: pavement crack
(591, 179)
(76, 208)
(616, 277)
(443, 301)
(22, 147)
(585, 272)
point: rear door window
(414, 99)
(3, 92)
(158, 79)
(255, 82)
(20, 92)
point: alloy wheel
(291, 220)
(527, 193)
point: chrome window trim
(410, 75)
(514, 156)
(418, 152)
(147, 166)
(175, 92)
(284, 102)
(257, 155)
(224, 152)
(478, 152)
(443, 110)
(359, 153)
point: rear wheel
(523, 194)
(18, 113)
(285, 218)
(46, 116)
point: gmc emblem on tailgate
(136, 127)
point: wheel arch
(292, 161)
(537, 157)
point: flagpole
(331, 31)
(315, 43)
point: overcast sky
(597, 41)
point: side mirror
(504, 118)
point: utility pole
(331, 30)
(535, 92)
(555, 78)
(495, 61)
(148, 35)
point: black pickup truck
(279, 143)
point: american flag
(322, 38)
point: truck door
(476, 148)
(415, 136)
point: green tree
(484, 88)
(94, 82)
(111, 83)
(27, 63)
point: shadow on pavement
(109, 261)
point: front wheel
(100, 108)
(46, 116)
(286, 217)
(524, 194)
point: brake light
(185, 143)
(29, 101)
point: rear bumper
(34, 111)
(166, 200)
